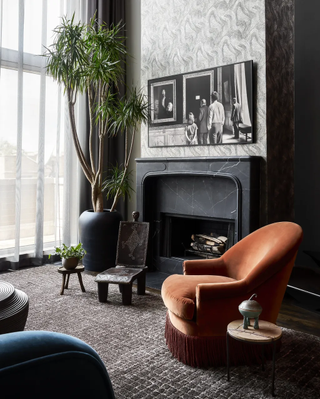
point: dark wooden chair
(130, 261)
(246, 130)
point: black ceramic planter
(99, 237)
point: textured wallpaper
(179, 37)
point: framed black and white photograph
(209, 107)
(196, 87)
(163, 101)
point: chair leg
(103, 292)
(63, 284)
(67, 282)
(81, 282)
(141, 284)
(126, 290)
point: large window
(39, 175)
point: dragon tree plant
(89, 58)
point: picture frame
(196, 86)
(232, 86)
(163, 101)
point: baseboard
(308, 299)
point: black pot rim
(104, 210)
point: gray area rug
(130, 341)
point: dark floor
(155, 279)
(297, 316)
(293, 314)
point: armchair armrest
(205, 266)
(217, 304)
(210, 291)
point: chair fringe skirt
(211, 351)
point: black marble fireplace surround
(174, 194)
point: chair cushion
(179, 292)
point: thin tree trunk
(97, 197)
(125, 170)
(90, 94)
(83, 163)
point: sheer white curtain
(241, 92)
(39, 172)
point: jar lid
(250, 305)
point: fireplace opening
(191, 237)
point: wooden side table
(66, 275)
(268, 333)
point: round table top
(79, 268)
(6, 290)
(267, 331)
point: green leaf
(130, 111)
(66, 252)
(113, 182)
(90, 58)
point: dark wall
(307, 122)
(280, 110)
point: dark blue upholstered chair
(43, 364)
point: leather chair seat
(180, 299)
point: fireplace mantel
(224, 188)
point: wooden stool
(266, 334)
(124, 277)
(66, 272)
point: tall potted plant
(89, 58)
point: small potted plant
(70, 255)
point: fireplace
(180, 197)
(178, 230)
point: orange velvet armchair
(205, 299)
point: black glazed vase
(99, 237)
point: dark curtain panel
(111, 12)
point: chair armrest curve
(209, 291)
(205, 267)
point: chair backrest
(132, 244)
(39, 364)
(264, 252)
